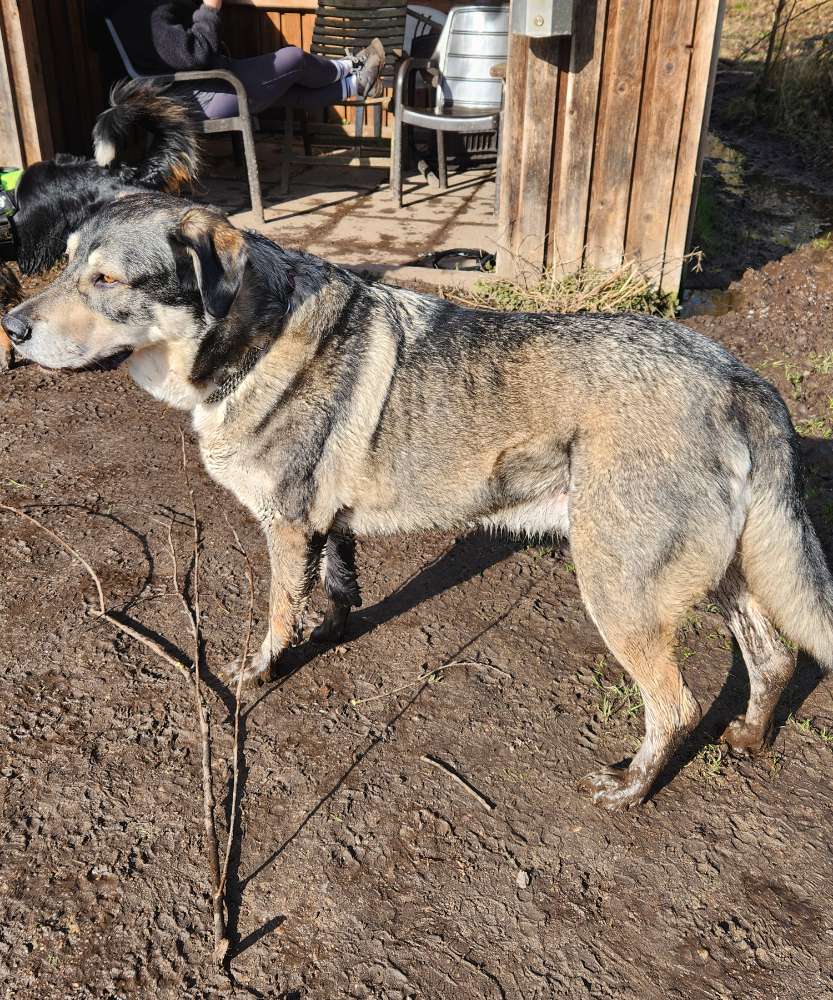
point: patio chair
(468, 99)
(351, 24)
(241, 122)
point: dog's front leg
(294, 554)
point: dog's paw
(6, 358)
(615, 788)
(331, 630)
(255, 671)
(743, 738)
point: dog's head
(148, 270)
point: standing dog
(328, 405)
(54, 197)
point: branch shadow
(237, 886)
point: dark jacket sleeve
(181, 47)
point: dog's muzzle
(8, 233)
(18, 328)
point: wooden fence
(610, 169)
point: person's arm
(184, 48)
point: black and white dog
(55, 197)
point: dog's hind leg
(637, 583)
(646, 651)
(768, 662)
(338, 574)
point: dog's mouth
(110, 363)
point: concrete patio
(347, 215)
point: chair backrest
(473, 40)
(422, 23)
(129, 68)
(341, 24)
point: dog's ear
(219, 254)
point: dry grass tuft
(626, 289)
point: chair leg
(397, 166)
(499, 145)
(251, 170)
(377, 121)
(286, 158)
(359, 131)
(442, 169)
(305, 134)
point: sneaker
(369, 64)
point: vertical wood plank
(52, 103)
(291, 29)
(660, 127)
(78, 52)
(11, 145)
(692, 139)
(531, 226)
(26, 72)
(625, 44)
(576, 143)
(511, 166)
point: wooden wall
(610, 170)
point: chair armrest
(188, 76)
(409, 66)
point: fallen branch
(426, 678)
(236, 745)
(102, 613)
(219, 877)
(221, 941)
(459, 779)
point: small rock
(523, 880)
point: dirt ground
(364, 872)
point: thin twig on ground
(221, 941)
(423, 679)
(102, 613)
(236, 746)
(459, 779)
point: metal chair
(353, 24)
(241, 122)
(468, 99)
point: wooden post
(11, 147)
(20, 40)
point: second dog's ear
(219, 254)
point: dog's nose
(18, 328)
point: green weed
(711, 759)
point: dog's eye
(107, 279)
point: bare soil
(363, 872)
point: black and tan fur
(669, 465)
(55, 197)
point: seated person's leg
(295, 77)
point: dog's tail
(781, 556)
(173, 158)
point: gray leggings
(289, 76)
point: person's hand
(215, 4)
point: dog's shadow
(467, 557)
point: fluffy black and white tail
(173, 158)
